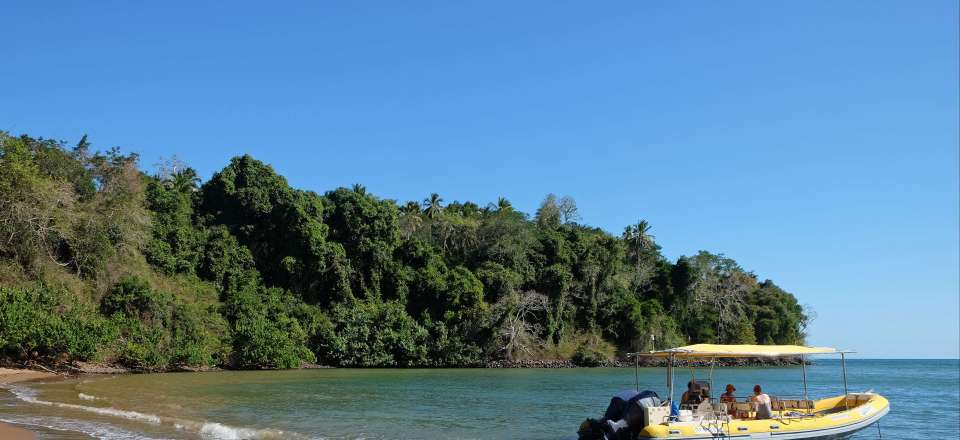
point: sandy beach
(10, 375)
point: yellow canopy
(719, 350)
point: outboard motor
(623, 419)
(593, 429)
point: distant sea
(437, 403)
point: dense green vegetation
(100, 261)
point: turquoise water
(456, 404)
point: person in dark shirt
(691, 396)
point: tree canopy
(104, 261)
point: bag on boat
(623, 418)
(619, 403)
(635, 415)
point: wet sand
(10, 375)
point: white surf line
(208, 430)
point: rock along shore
(647, 362)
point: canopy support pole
(712, 361)
(843, 365)
(803, 363)
(636, 370)
(670, 376)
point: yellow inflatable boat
(831, 418)
(782, 418)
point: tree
(432, 205)
(283, 228)
(186, 181)
(518, 330)
(568, 210)
(548, 215)
(640, 241)
(102, 261)
(721, 291)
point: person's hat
(730, 387)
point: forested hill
(101, 261)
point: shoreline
(14, 372)
(14, 375)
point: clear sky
(815, 142)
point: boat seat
(787, 404)
(857, 399)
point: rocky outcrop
(647, 362)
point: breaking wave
(206, 430)
(92, 429)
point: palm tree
(504, 205)
(185, 180)
(639, 237)
(432, 205)
(411, 207)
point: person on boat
(728, 396)
(762, 400)
(691, 396)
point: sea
(372, 404)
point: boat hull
(825, 425)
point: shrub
(373, 333)
(588, 357)
(266, 334)
(271, 343)
(45, 322)
(133, 296)
(159, 330)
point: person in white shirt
(764, 411)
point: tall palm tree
(504, 205)
(432, 205)
(639, 238)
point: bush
(43, 322)
(201, 336)
(142, 346)
(373, 334)
(266, 334)
(269, 343)
(159, 331)
(134, 297)
(588, 357)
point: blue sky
(816, 142)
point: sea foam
(28, 395)
(224, 432)
(207, 430)
(92, 429)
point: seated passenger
(764, 411)
(691, 396)
(728, 396)
(729, 399)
